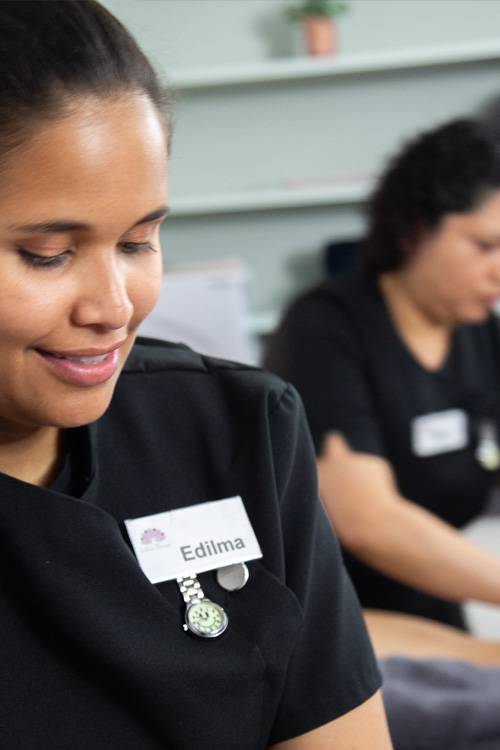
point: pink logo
(152, 535)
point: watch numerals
(204, 617)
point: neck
(31, 455)
(427, 336)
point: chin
(475, 317)
(83, 410)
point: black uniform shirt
(93, 655)
(339, 348)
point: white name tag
(441, 432)
(194, 539)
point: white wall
(211, 32)
(262, 136)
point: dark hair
(53, 50)
(451, 169)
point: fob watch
(204, 618)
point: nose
(103, 297)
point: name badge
(193, 539)
(441, 432)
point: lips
(81, 369)
(490, 301)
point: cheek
(29, 312)
(457, 272)
(145, 289)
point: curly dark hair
(451, 169)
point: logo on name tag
(153, 539)
(152, 535)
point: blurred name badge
(193, 539)
(441, 432)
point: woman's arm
(397, 634)
(364, 728)
(395, 536)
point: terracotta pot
(320, 35)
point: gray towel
(438, 704)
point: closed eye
(487, 246)
(42, 261)
(137, 248)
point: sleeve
(332, 669)
(319, 350)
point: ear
(411, 235)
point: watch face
(206, 619)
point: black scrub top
(94, 655)
(339, 348)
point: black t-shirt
(339, 348)
(94, 655)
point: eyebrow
(55, 227)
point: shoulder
(155, 365)
(337, 300)
(327, 317)
(336, 290)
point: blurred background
(275, 151)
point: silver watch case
(213, 628)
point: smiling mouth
(96, 360)
(82, 369)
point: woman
(96, 430)
(398, 365)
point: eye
(487, 246)
(137, 248)
(42, 261)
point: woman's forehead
(103, 152)
(99, 126)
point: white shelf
(355, 191)
(341, 64)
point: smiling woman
(78, 276)
(100, 433)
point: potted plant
(317, 21)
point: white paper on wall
(206, 307)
